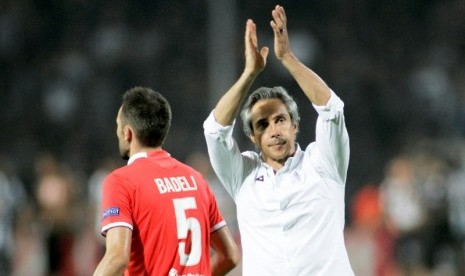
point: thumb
(264, 52)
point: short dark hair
(148, 113)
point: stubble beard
(124, 153)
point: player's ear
(128, 133)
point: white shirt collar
(297, 156)
(137, 156)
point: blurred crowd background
(399, 66)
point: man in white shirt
(290, 202)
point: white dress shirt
(291, 222)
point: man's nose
(275, 130)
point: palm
(255, 59)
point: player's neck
(138, 148)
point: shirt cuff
(333, 106)
(211, 126)
(114, 224)
(218, 226)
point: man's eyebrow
(280, 115)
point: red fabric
(169, 205)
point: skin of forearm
(109, 267)
(220, 266)
(313, 86)
(227, 108)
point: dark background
(397, 65)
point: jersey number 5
(184, 225)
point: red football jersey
(171, 211)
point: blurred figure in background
(94, 199)
(431, 173)
(60, 215)
(404, 214)
(13, 197)
(30, 248)
(421, 194)
(456, 208)
(369, 243)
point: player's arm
(226, 253)
(311, 84)
(117, 253)
(255, 60)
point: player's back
(172, 212)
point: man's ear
(296, 127)
(128, 134)
(252, 138)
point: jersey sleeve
(216, 218)
(116, 204)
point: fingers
(255, 58)
(264, 52)
(279, 14)
(279, 19)
(248, 27)
(251, 39)
(251, 34)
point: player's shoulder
(167, 167)
(189, 169)
(126, 172)
(117, 174)
(122, 170)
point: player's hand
(281, 38)
(255, 59)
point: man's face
(273, 131)
(120, 133)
